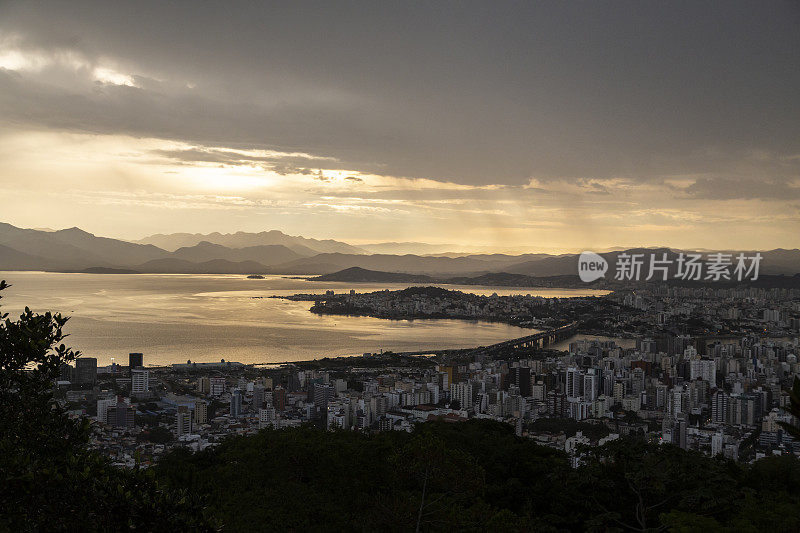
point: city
(421, 267)
(721, 389)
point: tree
(48, 478)
(443, 476)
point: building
(140, 383)
(320, 394)
(203, 385)
(86, 370)
(279, 398)
(121, 415)
(102, 408)
(183, 421)
(236, 403)
(679, 435)
(719, 407)
(703, 369)
(573, 384)
(521, 377)
(217, 386)
(267, 417)
(591, 385)
(258, 398)
(717, 443)
(135, 360)
(462, 393)
(200, 412)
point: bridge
(537, 340)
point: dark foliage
(478, 476)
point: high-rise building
(618, 392)
(103, 406)
(121, 415)
(200, 412)
(462, 393)
(183, 421)
(679, 436)
(450, 375)
(67, 373)
(573, 385)
(717, 443)
(140, 383)
(86, 370)
(703, 369)
(203, 385)
(279, 398)
(217, 385)
(719, 407)
(557, 404)
(266, 417)
(258, 398)
(322, 394)
(135, 360)
(236, 403)
(521, 377)
(591, 385)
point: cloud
(538, 122)
(718, 188)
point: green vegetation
(476, 476)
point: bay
(173, 318)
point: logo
(591, 266)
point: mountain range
(273, 252)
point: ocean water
(173, 318)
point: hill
(477, 476)
(357, 274)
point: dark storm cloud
(473, 93)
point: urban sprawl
(706, 369)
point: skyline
(552, 128)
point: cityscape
(442, 266)
(705, 369)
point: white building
(704, 369)
(267, 417)
(217, 386)
(183, 421)
(102, 408)
(462, 393)
(140, 382)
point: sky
(510, 126)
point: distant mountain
(268, 254)
(498, 279)
(411, 264)
(300, 245)
(74, 248)
(419, 248)
(245, 253)
(359, 275)
(11, 259)
(216, 266)
(775, 262)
